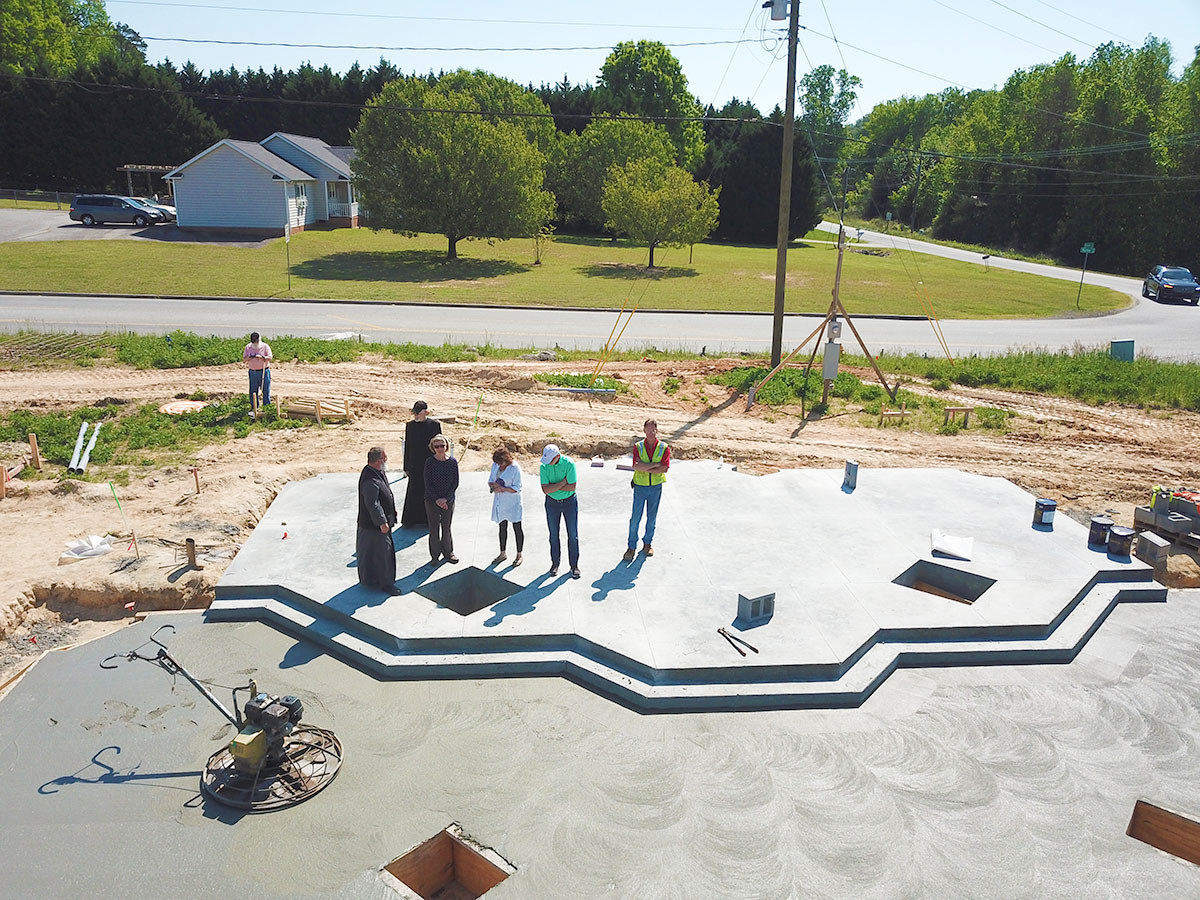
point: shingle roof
(276, 164)
(318, 149)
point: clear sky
(969, 43)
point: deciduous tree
(578, 177)
(431, 158)
(659, 205)
(645, 79)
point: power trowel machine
(273, 761)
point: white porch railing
(342, 210)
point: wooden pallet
(321, 410)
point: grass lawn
(592, 272)
(10, 203)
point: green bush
(671, 385)
(563, 379)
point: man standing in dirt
(651, 459)
(257, 357)
(376, 517)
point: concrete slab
(638, 631)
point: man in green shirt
(558, 484)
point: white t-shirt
(506, 507)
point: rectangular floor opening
(468, 590)
(943, 581)
(449, 866)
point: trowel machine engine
(267, 723)
(273, 761)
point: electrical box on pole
(778, 9)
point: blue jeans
(563, 509)
(648, 496)
(261, 378)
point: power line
(1078, 19)
(305, 46)
(100, 87)
(957, 84)
(990, 25)
(458, 20)
(1044, 25)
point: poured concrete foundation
(645, 633)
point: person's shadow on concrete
(416, 577)
(300, 653)
(524, 602)
(402, 539)
(620, 577)
(355, 597)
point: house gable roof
(276, 165)
(318, 150)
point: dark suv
(1171, 283)
(94, 209)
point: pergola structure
(150, 172)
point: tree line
(1103, 150)
(634, 154)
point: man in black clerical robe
(417, 435)
(376, 517)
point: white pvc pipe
(78, 446)
(87, 454)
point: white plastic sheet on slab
(951, 545)
(86, 548)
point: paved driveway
(55, 225)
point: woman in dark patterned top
(441, 481)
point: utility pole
(916, 196)
(785, 178)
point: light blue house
(285, 178)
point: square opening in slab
(468, 590)
(943, 581)
(449, 866)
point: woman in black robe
(417, 435)
(376, 517)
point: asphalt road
(1122, 283)
(1165, 331)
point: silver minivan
(95, 209)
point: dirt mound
(1182, 571)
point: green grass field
(588, 272)
(10, 203)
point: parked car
(165, 208)
(95, 209)
(1171, 283)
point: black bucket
(1098, 533)
(1120, 540)
(1043, 511)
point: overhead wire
(1017, 12)
(1078, 19)
(456, 20)
(987, 24)
(416, 49)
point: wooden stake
(196, 475)
(278, 407)
(318, 408)
(3, 482)
(346, 403)
(36, 458)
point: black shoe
(392, 591)
(575, 572)
(554, 570)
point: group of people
(433, 479)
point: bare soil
(1089, 459)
